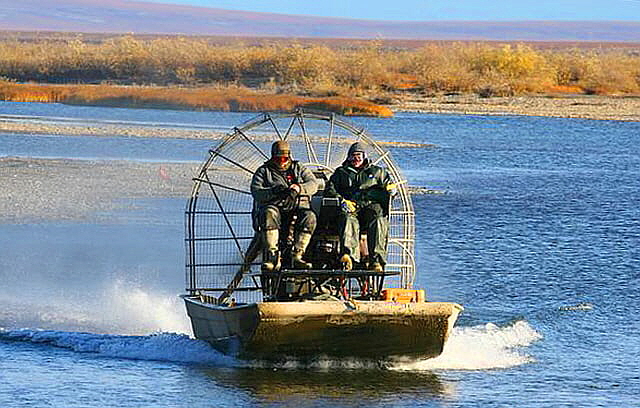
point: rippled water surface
(536, 231)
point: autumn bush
(314, 70)
(442, 69)
(596, 73)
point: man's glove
(279, 190)
(289, 200)
(349, 206)
(293, 194)
(392, 189)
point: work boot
(271, 255)
(271, 261)
(346, 262)
(301, 244)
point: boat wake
(116, 322)
(157, 347)
(120, 308)
(480, 348)
(469, 348)
(112, 322)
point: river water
(536, 231)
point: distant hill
(123, 16)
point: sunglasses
(281, 159)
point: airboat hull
(361, 329)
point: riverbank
(565, 105)
(584, 107)
(595, 107)
(24, 125)
(226, 99)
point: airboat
(324, 311)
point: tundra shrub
(483, 68)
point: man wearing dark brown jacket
(281, 188)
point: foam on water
(469, 348)
(480, 348)
(146, 311)
(116, 321)
(120, 308)
(158, 347)
(579, 307)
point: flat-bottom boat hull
(361, 329)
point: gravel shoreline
(41, 190)
(104, 130)
(581, 106)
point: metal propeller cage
(218, 224)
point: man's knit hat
(280, 148)
(357, 147)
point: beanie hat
(280, 148)
(357, 147)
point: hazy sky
(628, 10)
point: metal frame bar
(311, 154)
(218, 154)
(208, 265)
(331, 126)
(219, 212)
(191, 250)
(212, 183)
(251, 143)
(270, 119)
(226, 219)
(293, 121)
(217, 239)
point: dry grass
(234, 99)
(301, 73)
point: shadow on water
(350, 387)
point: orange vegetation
(233, 99)
(566, 89)
(369, 69)
(404, 82)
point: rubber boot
(271, 255)
(301, 244)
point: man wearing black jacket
(281, 188)
(363, 190)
